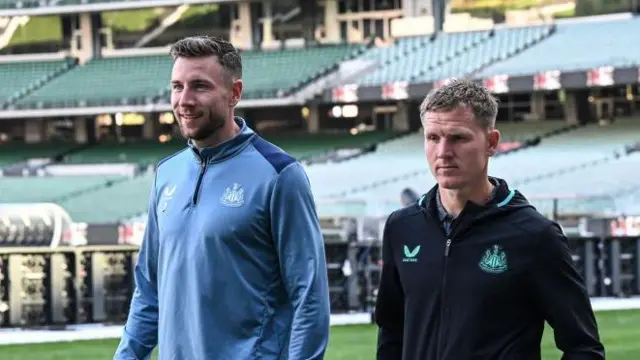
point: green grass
(620, 331)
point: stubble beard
(211, 126)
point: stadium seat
(15, 151)
(150, 152)
(123, 200)
(411, 55)
(140, 79)
(360, 180)
(25, 76)
(48, 189)
(106, 81)
(448, 54)
(501, 45)
(577, 46)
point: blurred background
(85, 117)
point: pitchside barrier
(43, 286)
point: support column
(267, 24)
(313, 119)
(83, 48)
(570, 109)
(331, 25)
(400, 119)
(149, 127)
(538, 104)
(241, 33)
(80, 131)
(33, 130)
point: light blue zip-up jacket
(232, 265)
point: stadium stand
(145, 78)
(14, 151)
(449, 54)
(116, 202)
(122, 80)
(405, 158)
(577, 46)
(101, 112)
(551, 162)
(49, 188)
(26, 76)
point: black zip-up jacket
(485, 291)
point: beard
(204, 127)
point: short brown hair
(463, 93)
(197, 46)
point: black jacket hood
(506, 200)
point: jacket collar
(227, 149)
(501, 196)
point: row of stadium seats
(80, 194)
(140, 79)
(145, 152)
(448, 54)
(50, 188)
(551, 158)
(577, 46)
(402, 158)
(111, 203)
(361, 179)
(267, 74)
(26, 76)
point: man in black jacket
(472, 271)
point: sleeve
(300, 246)
(140, 334)
(389, 310)
(561, 296)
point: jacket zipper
(196, 193)
(443, 299)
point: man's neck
(228, 131)
(454, 201)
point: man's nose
(187, 98)
(445, 149)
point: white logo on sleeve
(167, 195)
(168, 191)
(233, 196)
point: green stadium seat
(118, 202)
(141, 79)
(577, 46)
(25, 76)
(48, 189)
(13, 152)
(106, 81)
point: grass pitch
(620, 331)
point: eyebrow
(194, 81)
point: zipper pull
(447, 247)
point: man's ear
(493, 140)
(236, 92)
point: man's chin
(449, 182)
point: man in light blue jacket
(232, 265)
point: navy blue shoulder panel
(274, 155)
